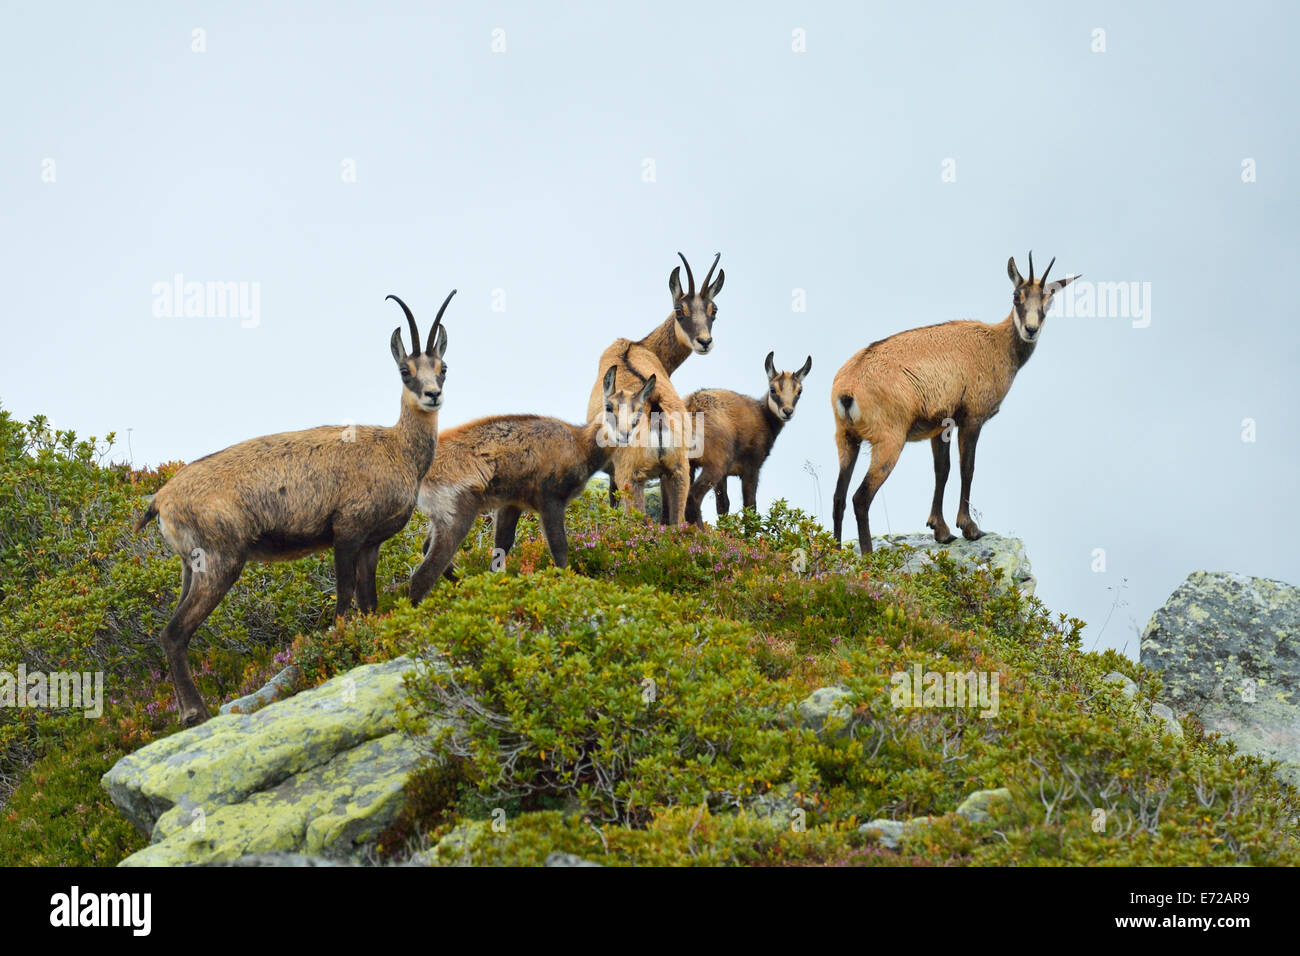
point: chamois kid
(921, 384)
(284, 496)
(509, 464)
(737, 433)
(661, 447)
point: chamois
(287, 495)
(737, 434)
(924, 382)
(512, 463)
(661, 447)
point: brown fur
(663, 455)
(737, 433)
(509, 464)
(903, 388)
(287, 495)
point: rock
(1163, 715)
(653, 498)
(568, 859)
(280, 686)
(456, 848)
(992, 549)
(1123, 681)
(976, 807)
(1227, 646)
(321, 773)
(891, 832)
(279, 859)
(1160, 714)
(777, 806)
(827, 704)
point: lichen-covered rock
(279, 687)
(891, 832)
(1229, 650)
(993, 550)
(322, 772)
(1159, 714)
(568, 859)
(826, 709)
(976, 808)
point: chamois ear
(769, 367)
(714, 289)
(1059, 284)
(399, 350)
(647, 388)
(675, 283)
(1013, 272)
(610, 374)
(807, 367)
(441, 347)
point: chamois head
(1032, 298)
(695, 311)
(784, 388)
(624, 409)
(423, 371)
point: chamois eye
(406, 372)
(609, 408)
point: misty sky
(873, 163)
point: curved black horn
(438, 321)
(689, 278)
(1048, 269)
(708, 278)
(1031, 265)
(415, 333)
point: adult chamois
(509, 464)
(661, 447)
(737, 434)
(921, 384)
(284, 496)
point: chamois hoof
(972, 532)
(942, 533)
(192, 718)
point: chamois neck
(664, 343)
(774, 424)
(417, 433)
(1020, 349)
(596, 455)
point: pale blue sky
(821, 170)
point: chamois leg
(942, 448)
(709, 478)
(884, 455)
(367, 588)
(506, 520)
(346, 554)
(557, 539)
(203, 593)
(672, 492)
(613, 488)
(749, 488)
(720, 498)
(848, 446)
(446, 534)
(967, 436)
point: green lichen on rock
(1225, 644)
(320, 773)
(994, 550)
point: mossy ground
(633, 709)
